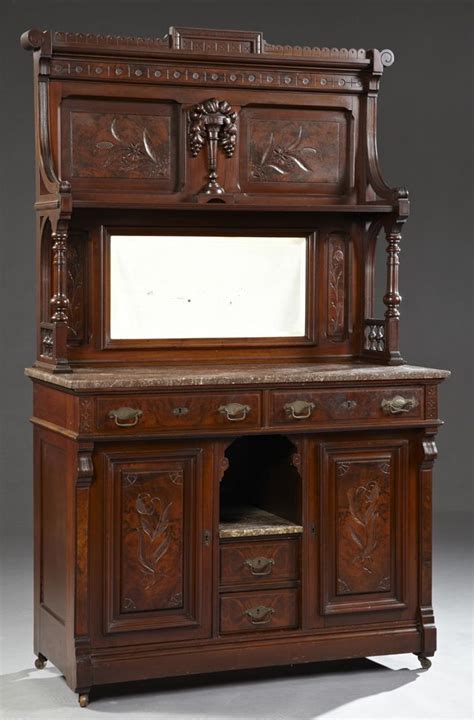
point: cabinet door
(364, 493)
(158, 505)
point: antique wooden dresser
(232, 460)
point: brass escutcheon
(260, 565)
(260, 615)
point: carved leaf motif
(134, 149)
(282, 158)
(154, 534)
(113, 130)
(148, 146)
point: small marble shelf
(246, 521)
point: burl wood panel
(345, 406)
(181, 411)
(252, 563)
(363, 501)
(257, 611)
(297, 150)
(53, 562)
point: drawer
(308, 407)
(257, 562)
(253, 611)
(179, 411)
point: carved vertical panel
(363, 515)
(363, 498)
(337, 284)
(151, 555)
(77, 273)
(154, 543)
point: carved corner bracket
(213, 123)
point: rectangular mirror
(207, 287)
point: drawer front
(308, 407)
(179, 411)
(254, 563)
(253, 611)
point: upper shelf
(207, 118)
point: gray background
(425, 141)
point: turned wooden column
(392, 297)
(59, 301)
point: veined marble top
(247, 521)
(159, 376)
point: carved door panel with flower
(364, 491)
(155, 561)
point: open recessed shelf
(260, 490)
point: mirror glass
(176, 287)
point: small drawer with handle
(253, 611)
(179, 411)
(301, 407)
(256, 562)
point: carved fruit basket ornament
(212, 122)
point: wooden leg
(424, 661)
(40, 661)
(83, 698)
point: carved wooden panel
(294, 150)
(119, 141)
(337, 255)
(363, 517)
(77, 274)
(152, 538)
(363, 499)
(154, 541)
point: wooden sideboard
(210, 502)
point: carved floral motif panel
(363, 501)
(151, 526)
(121, 142)
(364, 491)
(337, 262)
(300, 147)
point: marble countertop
(164, 376)
(247, 521)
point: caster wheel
(84, 699)
(424, 662)
(40, 662)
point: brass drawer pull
(260, 565)
(299, 409)
(398, 404)
(125, 416)
(234, 411)
(260, 615)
